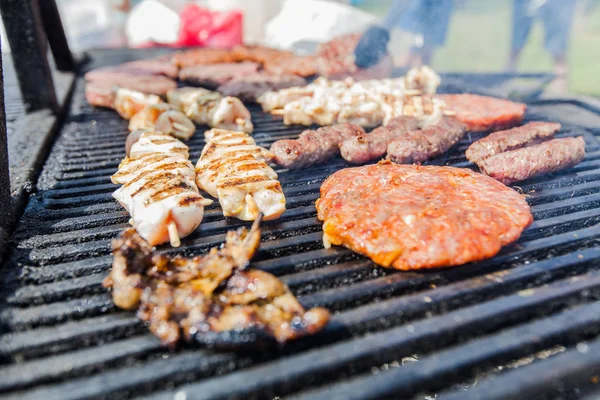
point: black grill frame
(63, 338)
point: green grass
(479, 40)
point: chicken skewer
(211, 108)
(234, 169)
(163, 118)
(158, 188)
(212, 299)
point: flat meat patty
(482, 113)
(517, 165)
(511, 139)
(217, 74)
(298, 65)
(203, 56)
(140, 67)
(412, 217)
(250, 87)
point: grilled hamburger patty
(250, 87)
(412, 217)
(517, 165)
(482, 113)
(512, 139)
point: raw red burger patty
(482, 113)
(412, 217)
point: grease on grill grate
(63, 338)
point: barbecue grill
(523, 324)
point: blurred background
(560, 36)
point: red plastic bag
(202, 27)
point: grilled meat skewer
(234, 169)
(163, 118)
(212, 299)
(158, 188)
(211, 108)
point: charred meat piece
(419, 146)
(213, 75)
(527, 162)
(482, 113)
(235, 170)
(212, 299)
(251, 87)
(372, 146)
(313, 147)
(412, 217)
(512, 139)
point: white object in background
(152, 21)
(256, 14)
(304, 21)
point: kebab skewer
(211, 108)
(234, 169)
(158, 188)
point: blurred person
(557, 17)
(428, 20)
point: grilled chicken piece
(163, 118)
(159, 190)
(212, 299)
(234, 169)
(210, 108)
(129, 102)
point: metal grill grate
(65, 339)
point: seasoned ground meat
(419, 146)
(512, 139)
(411, 217)
(373, 146)
(313, 147)
(517, 165)
(482, 113)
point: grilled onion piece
(234, 169)
(159, 190)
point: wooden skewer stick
(173, 234)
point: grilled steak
(313, 147)
(214, 75)
(419, 146)
(372, 146)
(250, 87)
(512, 139)
(517, 165)
(482, 113)
(140, 67)
(145, 83)
(212, 299)
(412, 217)
(202, 56)
(335, 60)
(297, 65)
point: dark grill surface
(393, 334)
